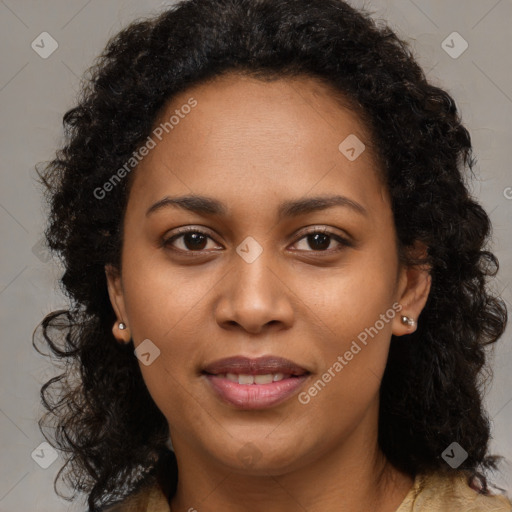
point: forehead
(245, 135)
(285, 105)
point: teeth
(254, 379)
(263, 379)
(245, 379)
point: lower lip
(255, 396)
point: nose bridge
(252, 276)
(253, 295)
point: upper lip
(258, 366)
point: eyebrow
(209, 206)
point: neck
(354, 477)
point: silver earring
(122, 326)
(407, 320)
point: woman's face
(266, 158)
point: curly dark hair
(100, 413)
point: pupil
(321, 241)
(194, 240)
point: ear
(115, 292)
(413, 289)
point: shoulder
(147, 499)
(440, 492)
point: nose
(254, 298)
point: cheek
(353, 361)
(352, 297)
(164, 306)
(356, 310)
(161, 297)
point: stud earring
(407, 320)
(122, 326)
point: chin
(260, 457)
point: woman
(277, 274)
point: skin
(253, 145)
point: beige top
(429, 493)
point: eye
(192, 240)
(319, 240)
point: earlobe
(413, 291)
(121, 332)
(115, 291)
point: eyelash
(166, 242)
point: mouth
(254, 383)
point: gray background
(35, 93)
